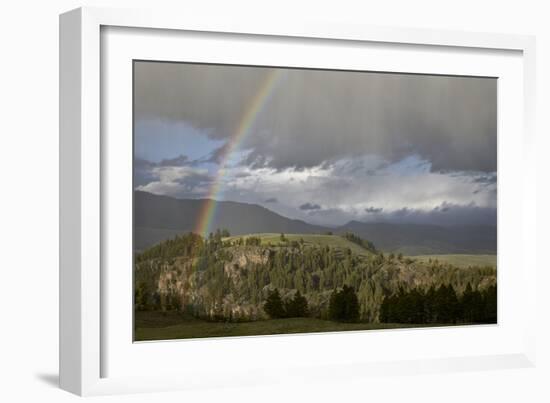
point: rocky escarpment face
(181, 284)
(232, 282)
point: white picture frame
(85, 344)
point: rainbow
(261, 98)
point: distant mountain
(417, 239)
(161, 217)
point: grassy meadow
(462, 261)
(334, 241)
(171, 325)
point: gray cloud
(403, 192)
(444, 207)
(193, 179)
(218, 154)
(176, 177)
(446, 214)
(181, 160)
(143, 172)
(365, 146)
(485, 178)
(310, 206)
(147, 171)
(373, 210)
(317, 116)
(402, 212)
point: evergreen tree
(490, 305)
(344, 305)
(446, 304)
(468, 304)
(141, 297)
(274, 305)
(430, 309)
(297, 306)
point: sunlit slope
(334, 241)
(461, 260)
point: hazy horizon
(381, 221)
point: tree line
(440, 306)
(343, 306)
(295, 307)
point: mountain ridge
(157, 218)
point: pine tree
(274, 305)
(297, 306)
(468, 300)
(141, 297)
(490, 305)
(344, 305)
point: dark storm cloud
(318, 116)
(143, 164)
(444, 207)
(486, 179)
(218, 154)
(444, 214)
(310, 206)
(447, 214)
(373, 210)
(181, 160)
(271, 200)
(402, 212)
(143, 172)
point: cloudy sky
(323, 146)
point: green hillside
(334, 241)
(461, 261)
(240, 285)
